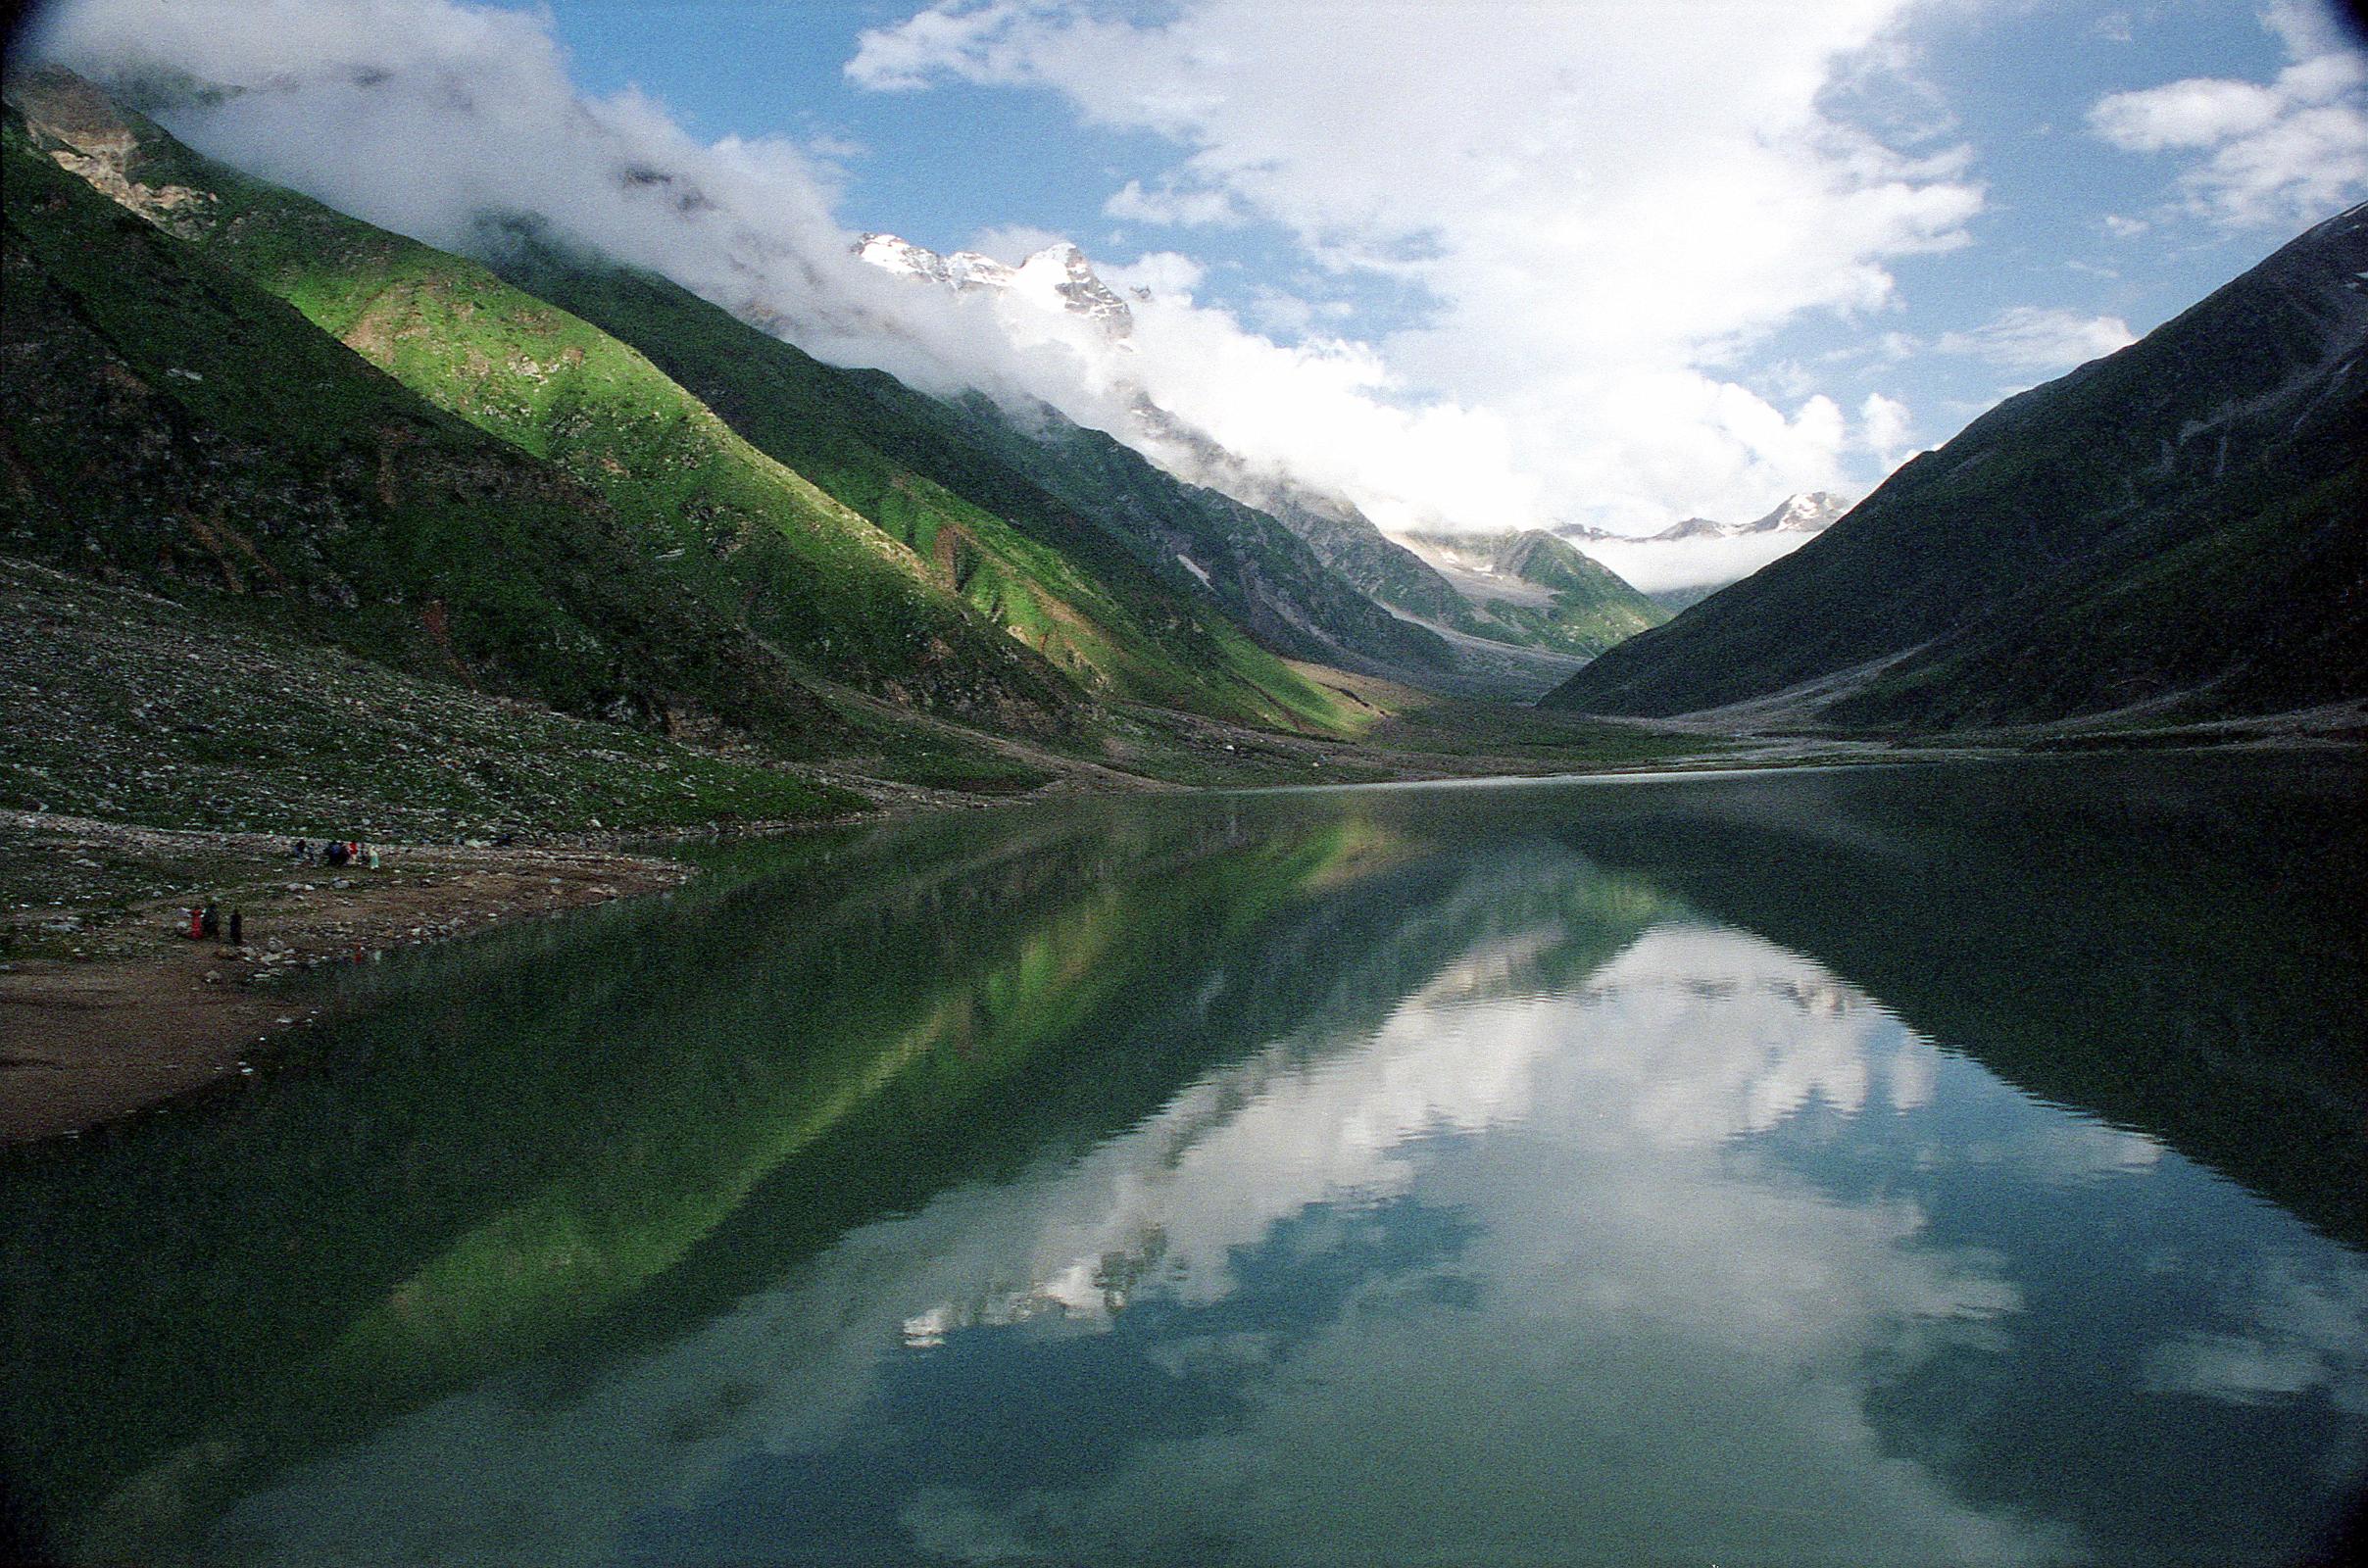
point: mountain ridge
(2172, 530)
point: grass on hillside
(983, 523)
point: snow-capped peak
(1811, 513)
(1058, 277)
(963, 270)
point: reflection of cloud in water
(1675, 1332)
(2297, 1333)
(1664, 1336)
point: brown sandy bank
(107, 1007)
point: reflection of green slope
(2158, 942)
(603, 1177)
(1381, 922)
(567, 1253)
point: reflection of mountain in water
(1162, 1121)
(2146, 941)
(666, 1106)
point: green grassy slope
(896, 456)
(1262, 573)
(748, 536)
(170, 424)
(2176, 524)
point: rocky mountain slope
(2172, 533)
(1539, 586)
(752, 535)
(1475, 649)
(992, 531)
(168, 424)
(704, 511)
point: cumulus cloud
(1668, 192)
(2036, 340)
(2291, 150)
(1884, 425)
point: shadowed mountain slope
(2174, 527)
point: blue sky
(1467, 263)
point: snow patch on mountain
(1058, 277)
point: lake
(1919, 1164)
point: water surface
(1939, 1165)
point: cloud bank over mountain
(1605, 202)
(1598, 215)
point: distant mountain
(1518, 655)
(1528, 581)
(1058, 276)
(2172, 532)
(1812, 512)
(1692, 558)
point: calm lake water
(1904, 1165)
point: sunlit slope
(169, 424)
(751, 537)
(1200, 540)
(2176, 525)
(988, 529)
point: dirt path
(107, 1007)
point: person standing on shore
(210, 920)
(238, 928)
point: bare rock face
(89, 136)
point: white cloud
(1183, 209)
(2294, 149)
(2040, 341)
(1670, 566)
(1884, 427)
(1668, 193)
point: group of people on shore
(205, 920)
(336, 853)
(206, 924)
